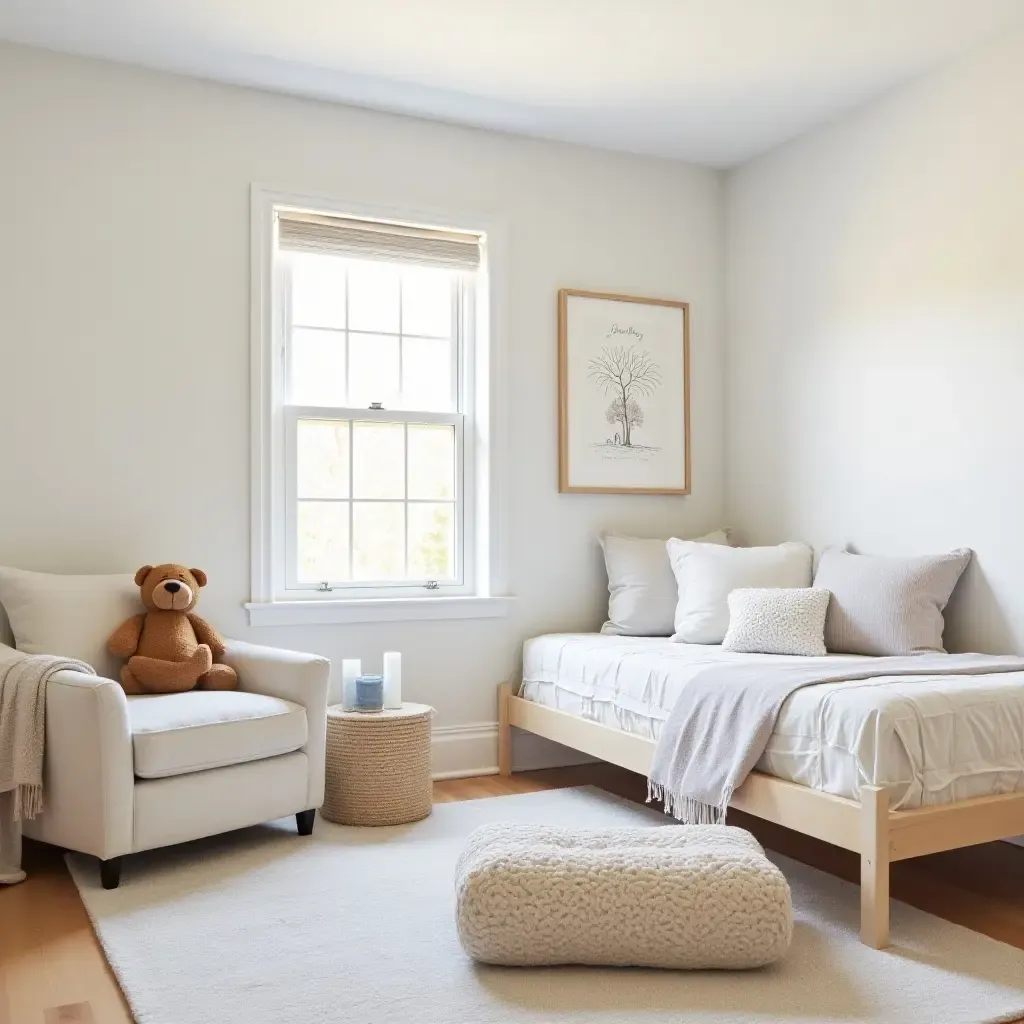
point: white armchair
(125, 774)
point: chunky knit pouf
(678, 896)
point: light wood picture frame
(623, 394)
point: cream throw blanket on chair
(22, 735)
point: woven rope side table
(378, 766)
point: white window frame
(276, 600)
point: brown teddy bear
(170, 649)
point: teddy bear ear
(200, 576)
(141, 574)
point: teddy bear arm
(206, 634)
(124, 641)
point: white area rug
(356, 925)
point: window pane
(378, 534)
(322, 542)
(373, 297)
(431, 542)
(431, 461)
(373, 370)
(427, 375)
(378, 460)
(318, 290)
(427, 302)
(322, 459)
(317, 368)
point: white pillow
(642, 591)
(68, 615)
(707, 574)
(775, 620)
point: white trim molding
(464, 751)
(378, 609)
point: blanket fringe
(688, 809)
(28, 801)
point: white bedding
(928, 740)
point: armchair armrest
(289, 675)
(88, 767)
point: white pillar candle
(392, 679)
(350, 669)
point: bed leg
(874, 867)
(505, 692)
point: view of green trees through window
(375, 497)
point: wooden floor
(52, 970)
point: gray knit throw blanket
(725, 714)
(23, 727)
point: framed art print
(624, 394)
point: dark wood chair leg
(304, 822)
(110, 872)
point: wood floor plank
(5, 1006)
(50, 957)
(72, 1013)
(52, 968)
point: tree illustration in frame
(624, 394)
(625, 373)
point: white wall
(124, 330)
(875, 362)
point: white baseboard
(464, 773)
(461, 751)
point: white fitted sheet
(928, 740)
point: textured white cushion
(775, 620)
(68, 615)
(642, 590)
(708, 573)
(694, 896)
(887, 606)
(175, 733)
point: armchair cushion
(68, 615)
(177, 733)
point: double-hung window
(374, 332)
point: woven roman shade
(378, 240)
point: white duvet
(928, 740)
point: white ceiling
(709, 81)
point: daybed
(889, 768)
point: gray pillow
(641, 585)
(887, 606)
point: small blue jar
(369, 693)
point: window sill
(386, 609)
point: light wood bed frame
(867, 826)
